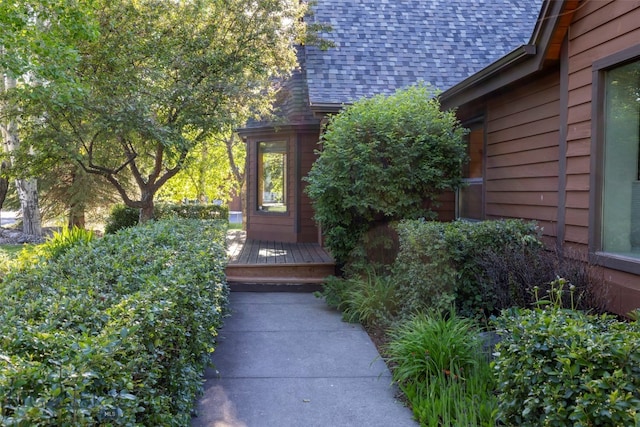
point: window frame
(258, 178)
(480, 122)
(596, 254)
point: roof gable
(384, 45)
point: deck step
(279, 273)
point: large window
(272, 176)
(469, 200)
(620, 187)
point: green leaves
(563, 368)
(381, 159)
(116, 331)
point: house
(550, 90)
(556, 133)
(380, 46)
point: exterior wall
(296, 225)
(540, 145)
(522, 153)
(599, 29)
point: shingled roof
(384, 45)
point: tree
(381, 159)
(158, 81)
(36, 40)
(208, 173)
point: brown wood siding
(599, 29)
(522, 153)
(308, 230)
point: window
(620, 187)
(469, 200)
(272, 176)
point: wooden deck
(269, 262)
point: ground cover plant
(114, 331)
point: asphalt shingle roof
(383, 45)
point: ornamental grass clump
(439, 363)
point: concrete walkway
(286, 359)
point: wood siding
(599, 29)
(522, 159)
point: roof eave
(520, 63)
(321, 109)
(459, 93)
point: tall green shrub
(381, 159)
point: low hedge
(122, 216)
(560, 367)
(116, 331)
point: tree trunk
(27, 188)
(76, 205)
(4, 185)
(147, 209)
(76, 217)
(28, 194)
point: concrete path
(286, 359)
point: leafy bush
(381, 159)
(439, 364)
(121, 216)
(115, 332)
(560, 367)
(194, 211)
(439, 262)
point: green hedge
(559, 367)
(122, 216)
(116, 331)
(441, 262)
(196, 211)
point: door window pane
(272, 176)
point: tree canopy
(145, 82)
(381, 159)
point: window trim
(596, 254)
(481, 121)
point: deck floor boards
(269, 252)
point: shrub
(559, 367)
(381, 159)
(193, 211)
(121, 216)
(439, 262)
(115, 332)
(439, 363)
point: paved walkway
(286, 359)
